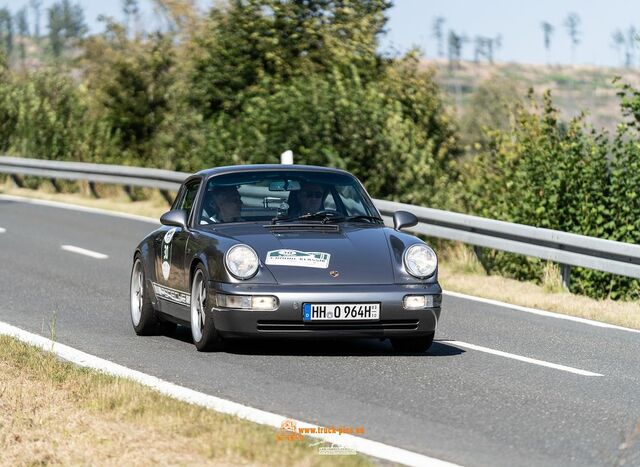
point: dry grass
(112, 198)
(461, 272)
(54, 413)
(574, 87)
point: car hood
(350, 255)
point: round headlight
(420, 260)
(241, 261)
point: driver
(310, 198)
(223, 204)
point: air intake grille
(303, 228)
(292, 326)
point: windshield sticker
(304, 259)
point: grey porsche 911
(284, 251)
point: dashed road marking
(512, 356)
(82, 251)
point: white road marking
(82, 251)
(536, 311)
(534, 361)
(75, 207)
(362, 445)
(2, 230)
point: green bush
(544, 173)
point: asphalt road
(455, 403)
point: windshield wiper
(324, 215)
(376, 219)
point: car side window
(187, 201)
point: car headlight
(241, 261)
(420, 261)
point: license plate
(340, 311)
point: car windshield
(281, 196)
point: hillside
(574, 88)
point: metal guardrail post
(168, 197)
(92, 190)
(565, 273)
(17, 180)
(55, 184)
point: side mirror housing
(403, 219)
(175, 218)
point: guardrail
(561, 247)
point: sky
(516, 21)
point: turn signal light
(417, 302)
(247, 302)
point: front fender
(210, 250)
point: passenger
(222, 204)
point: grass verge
(459, 269)
(112, 198)
(53, 412)
(461, 272)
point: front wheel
(205, 336)
(143, 316)
(412, 344)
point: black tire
(144, 320)
(204, 334)
(412, 344)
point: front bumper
(287, 321)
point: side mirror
(175, 218)
(402, 219)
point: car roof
(268, 167)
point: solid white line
(521, 358)
(76, 207)
(82, 251)
(536, 311)
(362, 445)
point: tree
(73, 20)
(36, 5)
(131, 10)
(489, 108)
(486, 47)
(55, 24)
(6, 31)
(494, 45)
(438, 33)
(619, 42)
(631, 45)
(23, 32)
(455, 43)
(572, 23)
(547, 31)
(130, 80)
(251, 41)
(65, 23)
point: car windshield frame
(244, 177)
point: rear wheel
(205, 336)
(143, 316)
(412, 344)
